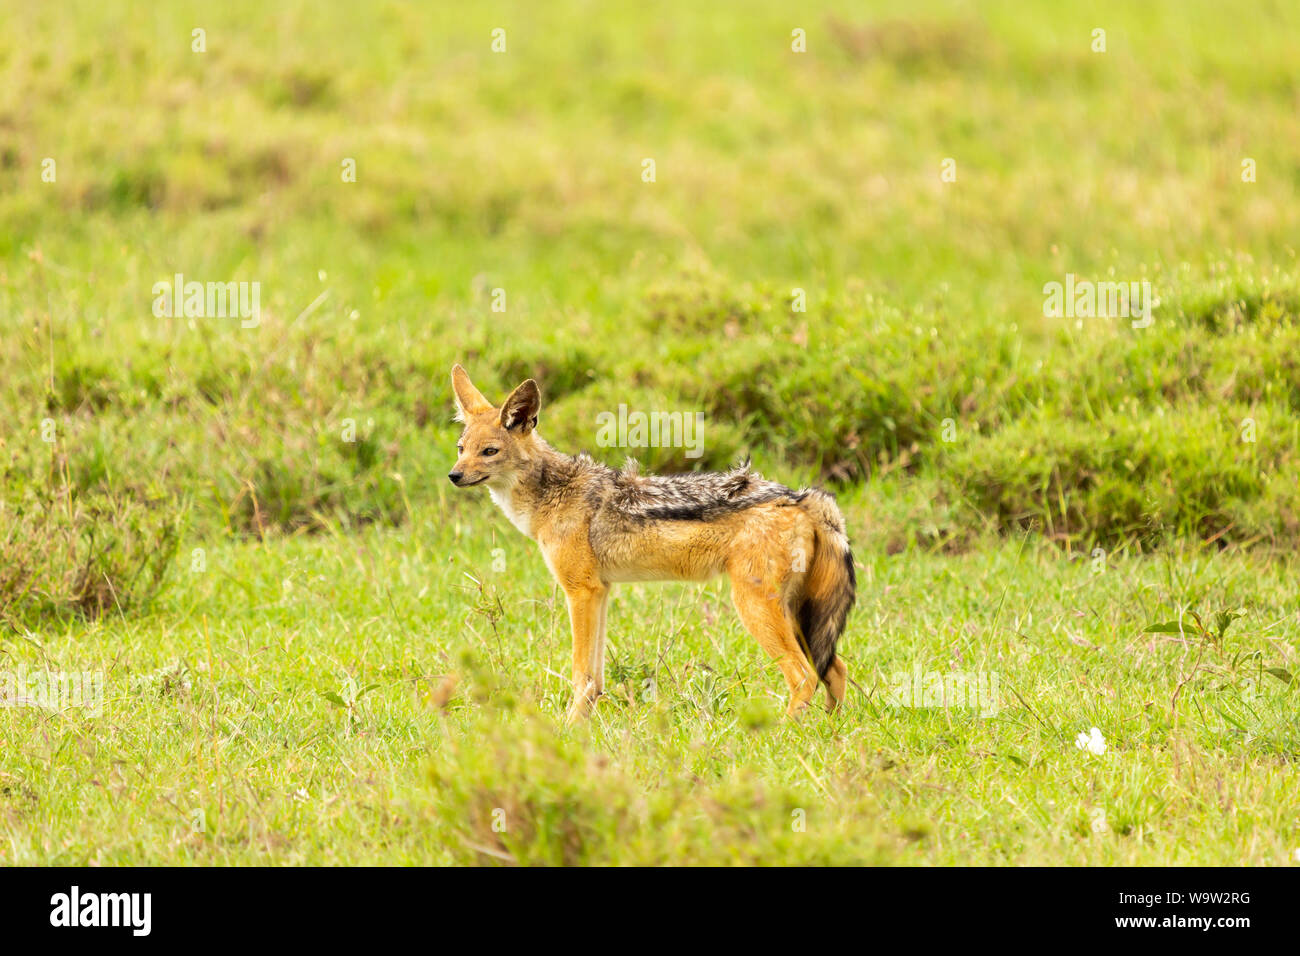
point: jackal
(786, 552)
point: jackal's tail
(830, 587)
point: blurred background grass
(521, 171)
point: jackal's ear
(520, 409)
(469, 400)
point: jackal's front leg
(586, 615)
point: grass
(294, 699)
(314, 652)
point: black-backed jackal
(786, 551)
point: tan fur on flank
(785, 551)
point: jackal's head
(497, 442)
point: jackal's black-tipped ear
(520, 409)
(469, 400)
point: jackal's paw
(579, 711)
(796, 710)
(583, 704)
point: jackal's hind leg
(763, 613)
(836, 681)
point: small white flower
(1092, 742)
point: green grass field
(313, 650)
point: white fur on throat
(502, 498)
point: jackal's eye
(488, 452)
(460, 449)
